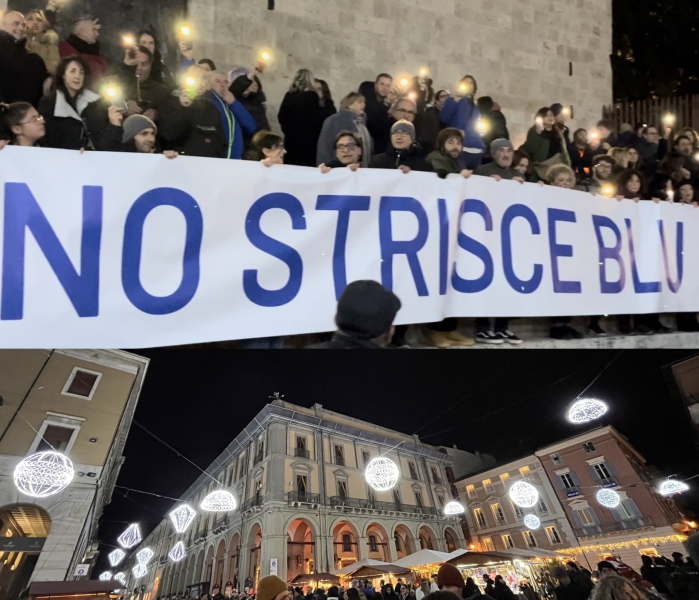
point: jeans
(483, 325)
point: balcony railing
(382, 506)
(200, 536)
(302, 453)
(608, 482)
(221, 522)
(256, 500)
(303, 497)
(340, 460)
(623, 525)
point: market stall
(373, 570)
(315, 580)
(425, 563)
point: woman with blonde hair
(42, 40)
(350, 118)
(301, 117)
(615, 587)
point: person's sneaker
(457, 339)
(439, 339)
(643, 329)
(488, 337)
(560, 333)
(595, 329)
(574, 333)
(508, 336)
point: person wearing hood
(22, 73)
(75, 116)
(216, 592)
(387, 593)
(348, 153)
(404, 153)
(364, 318)
(235, 119)
(135, 134)
(463, 114)
(42, 39)
(143, 93)
(272, 587)
(247, 89)
(494, 119)
(190, 123)
(159, 73)
(84, 41)
(449, 579)
(350, 118)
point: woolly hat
(269, 588)
(448, 575)
(404, 126)
(134, 125)
(495, 145)
(366, 309)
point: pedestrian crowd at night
(65, 94)
(660, 578)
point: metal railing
(303, 497)
(340, 460)
(302, 453)
(221, 522)
(608, 482)
(437, 480)
(572, 492)
(256, 500)
(383, 506)
(623, 525)
(200, 536)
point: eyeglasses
(349, 147)
(35, 119)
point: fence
(685, 109)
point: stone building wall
(521, 53)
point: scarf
(82, 46)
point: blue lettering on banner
(344, 205)
(523, 286)
(391, 247)
(473, 286)
(443, 246)
(640, 287)
(673, 285)
(253, 290)
(133, 246)
(23, 212)
(557, 250)
(609, 253)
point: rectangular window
(346, 542)
(471, 490)
(413, 471)
(396, 500)
(487, 486)
(585, 517)
(624, 512)
(300, 442)
(556, 459)
(435, 476)
(524, 471)
(504, 477)
(519, 513)
(480, 518)
(370, 496)
(365, 457)
(488, 544)
(440, 499)
(373, 546)
(507, 541)
(498, 514)
(542, 506)
(81, 384)
(339, 456)
(418, 499)
(342, 489)
(589, 447)
(55, 436)
(601, 470)
(567, 481)
(301, 484)
(553, 536)
(529, 539)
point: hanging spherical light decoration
(584, 411)
(177, 553)
(130, 537)
(139, 570)
(182, 517)
(105, 576)
(116, 556)
(219, 501)
(670, 487)
(381, 473)
(43, 474)
(608, 498)
(532, 521)
(121, 578)
(524, 494)
(454, 508)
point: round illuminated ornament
(219, 501)
(532, 521)
(584, 411)
(381, 474)
(608, 498)
(524, 494)
(43, 474)
(454, 508)
(672, 486)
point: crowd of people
(66, 94)
(660, 579)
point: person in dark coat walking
(84, 41)
(301, 117)
(247, 89)
(404, 153)
(75, 116)
(387, 593)
(364, 319)
(22, 73)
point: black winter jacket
(22, 73)
(70, 129)
(301, 117)
(195, 130)
(392, 159)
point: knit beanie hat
(448, 575)
(404, 126)
(269, 588)
(495, 145)
(366, 309)
(134, 125)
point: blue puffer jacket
(463, 115)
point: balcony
(256, 500)
(436, 480)
(608, 482)
(340, 461)
(363, 504)
(623, 525)
(259, 458)
(220, 524)
(303, 497)
(302, 453)
(200, 537)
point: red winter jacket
(97, 63)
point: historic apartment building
(603, 458)
(497, 523)
(304, 506)
(81, 402)
(683, 379)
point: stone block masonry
(520, 53)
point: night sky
(508, 403)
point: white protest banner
(122, 250)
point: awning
(370, 568)
(428, 557)
(306, 578)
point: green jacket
(443, 164)
(537, 146)
(494, 169)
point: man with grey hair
(235, 118)
(22, 73)
(502, 152)
(84, 41)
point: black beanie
(366, 309)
